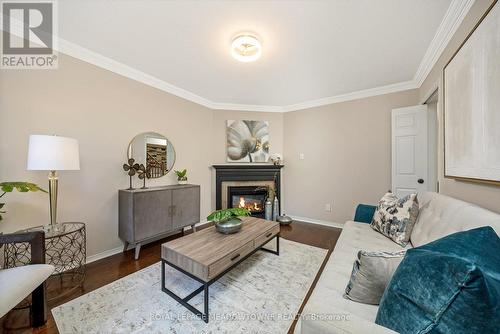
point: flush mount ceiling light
(246, 48)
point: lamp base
(53, 185)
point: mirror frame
(129, 149)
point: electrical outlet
(301, 156)
(328, 207)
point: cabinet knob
(421, 181)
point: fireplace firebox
(251, 198)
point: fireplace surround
(234, 183)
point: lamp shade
(53, 153)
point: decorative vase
(276, 208)
(229, 226)
(268, 209)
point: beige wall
(347, 155)
(104, 111)
(487, 196)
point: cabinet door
(186, 206)
(151, 213)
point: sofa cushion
(451, 285)
(327, 296)
(395, 217)
(364, 213)
(441, 215)
(18, 283)
(371, 272)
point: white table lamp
(53, 153)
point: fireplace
(246, 186)
(252, 198)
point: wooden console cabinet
(145, 214)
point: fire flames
(249, 206)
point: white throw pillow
(396, 217)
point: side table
(65, 249)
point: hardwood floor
(105, 271)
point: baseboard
(104, 254)
(318, 221)
(119, 249)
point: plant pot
(229, 226)
(182, 181)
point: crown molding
(451, 21)
(245, 107)
(397, 87)
(114, 66)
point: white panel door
(409, 150)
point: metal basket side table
(65, 249)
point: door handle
(421, 181)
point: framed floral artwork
(247, 141)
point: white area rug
(261, 295)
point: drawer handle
(235, 257)
(269, 234)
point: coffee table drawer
(265, 237)
(230, 259)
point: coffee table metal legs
(277, 251)
(185, 301)
(204, 287)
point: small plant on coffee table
(225, 214)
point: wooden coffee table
(207, 255)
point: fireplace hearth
(245, 186)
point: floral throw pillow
(395, 217)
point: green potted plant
(227, 221)
(23, 187)
(181, 176)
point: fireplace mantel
(245, 172)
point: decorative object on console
(247, 141)
(276, 159)
(284, 220)
(130, 167)
(471, 104)
(154, 151)
(396, 217)
(181, 176)
(23, 187)
(371, 273)
(268, 205)
(144, 173)
(53, 153)
(227, 221)
(276, 208)
(450, 285)
(268, 209)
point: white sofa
(327, 311)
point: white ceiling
(311, 49)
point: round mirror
(154, 151)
